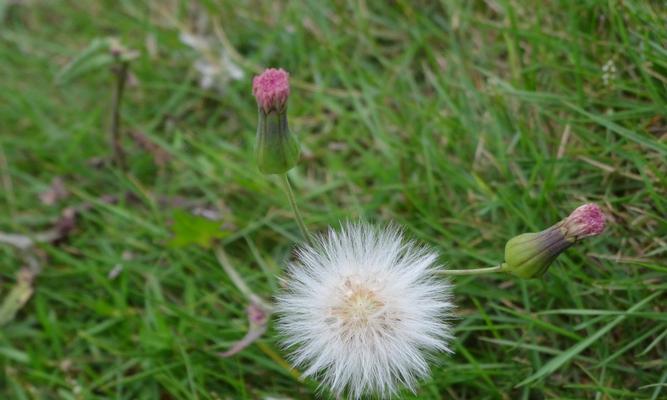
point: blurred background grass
(467, 122)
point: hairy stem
(474, 271)
(295, 209)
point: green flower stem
(295, 209)
(474, 271)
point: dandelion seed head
(363, 311)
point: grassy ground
(467, 122)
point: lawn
(466, 123)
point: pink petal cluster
(586, 220)
(271, 89)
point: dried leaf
(160, 156)
(258, 319)
(17, 296)
(54, 193)
(65, 225)
(115, 271)
(61, 229)
(22, 242)
(214, 64)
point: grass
(466, 122)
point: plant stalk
(295, 209)
(473, 271)
(120, 71)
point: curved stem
(474, 271)
(295, 209)
(234, 276)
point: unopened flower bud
(530, 254)
(276, 150)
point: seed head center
(359, 304)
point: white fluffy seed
(363, 309)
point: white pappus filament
(363, 309)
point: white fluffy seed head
(363, 309)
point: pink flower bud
(271, 89)
(276, 149)
(587, 220)
(529, 255)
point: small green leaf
(192, 229)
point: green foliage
(466, 122)
(191, 229)
(94, 58)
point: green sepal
(276, 149)
(529, 255)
